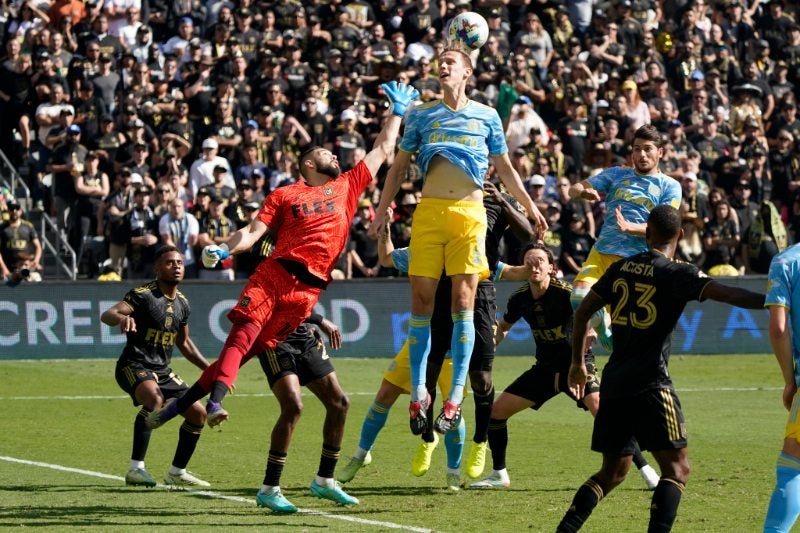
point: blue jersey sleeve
(497, 136)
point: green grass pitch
(66, 445)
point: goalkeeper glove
(401, 95)
(212, 254)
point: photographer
(20, 248)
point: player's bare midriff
(447, 181)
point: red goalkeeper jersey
(311, 224)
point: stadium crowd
(145, 122)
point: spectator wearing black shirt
(141, 227)
(364, 250)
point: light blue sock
(784, 506)
(461, 350)
(373, 424)
(454, 445)
(419, 346)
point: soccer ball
(468, 30)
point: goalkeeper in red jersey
(311, 221)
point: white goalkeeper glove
(213, 254)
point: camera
(25, 272)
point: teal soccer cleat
(275, 501)
(335, 494)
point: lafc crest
(328, 191)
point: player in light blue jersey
(630, 195)
(453, 139)
(783, 302)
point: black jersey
(158, 320)
(647, 293)
(496, 224)
(550, 319)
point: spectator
(216, 228)
(139, 227)
(764, 239)
(181, 229)
(575, 245)
(20, 248)
(721, 237)
(363, 249)
(202, 171)
(695, 215)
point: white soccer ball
(468, 30)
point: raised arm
(394, 178)
(400, 95)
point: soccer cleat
(335, 494)
(215, 414)
(650, 476)
(449, 418)
(453, 481)
(159, 417)
(494, 481)
(352, 467)
(421, 462)
(275, 501)
(419, 418)
(476, 459)
(187, 479)
(139, 477)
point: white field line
(217, 495)
(270, 395)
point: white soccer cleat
(495, 481)
(352, 467)
(187, 479)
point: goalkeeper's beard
(330, 171)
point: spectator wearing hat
(91, 187)
(709, 143)
(786, 120)
(717, 92)
(299, 73)
(638, 112)
(406, 206)
(235, 211)
(66, 163)
(20, 246)
(249, 37)
(141, 227)
(728, 169)
(782, 89)
(776, 25)
(106, 82)
(197, 90)
(178, 45)
(741, 200)
(139, 161)
(757, 88)
(202, 170)
(347, 139)
(363, 252)
(249, 157)
(216, 228)
(245, 264)
(58, 133)
(88, 109)
(760, 174)
(522, 121)
(220, 187)
(563, 32)
(181, 229)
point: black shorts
(653, 418)
(541, 382)
(302, 354)
(130, 374)
(485, 319)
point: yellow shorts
(793, 422)
(595, 266)
(449, 235)
(399, 373)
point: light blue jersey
(466, 137)
(784, 290)
(637, 195)
(400, 259)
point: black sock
(194, 393)
(218, 391)
(141, 435)
(427, 435)
(275, 463)
(188, 435)
(584, 502)
(483, 412)
(328, 460)
(664, 506)
(638, 458)
(498, 442)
